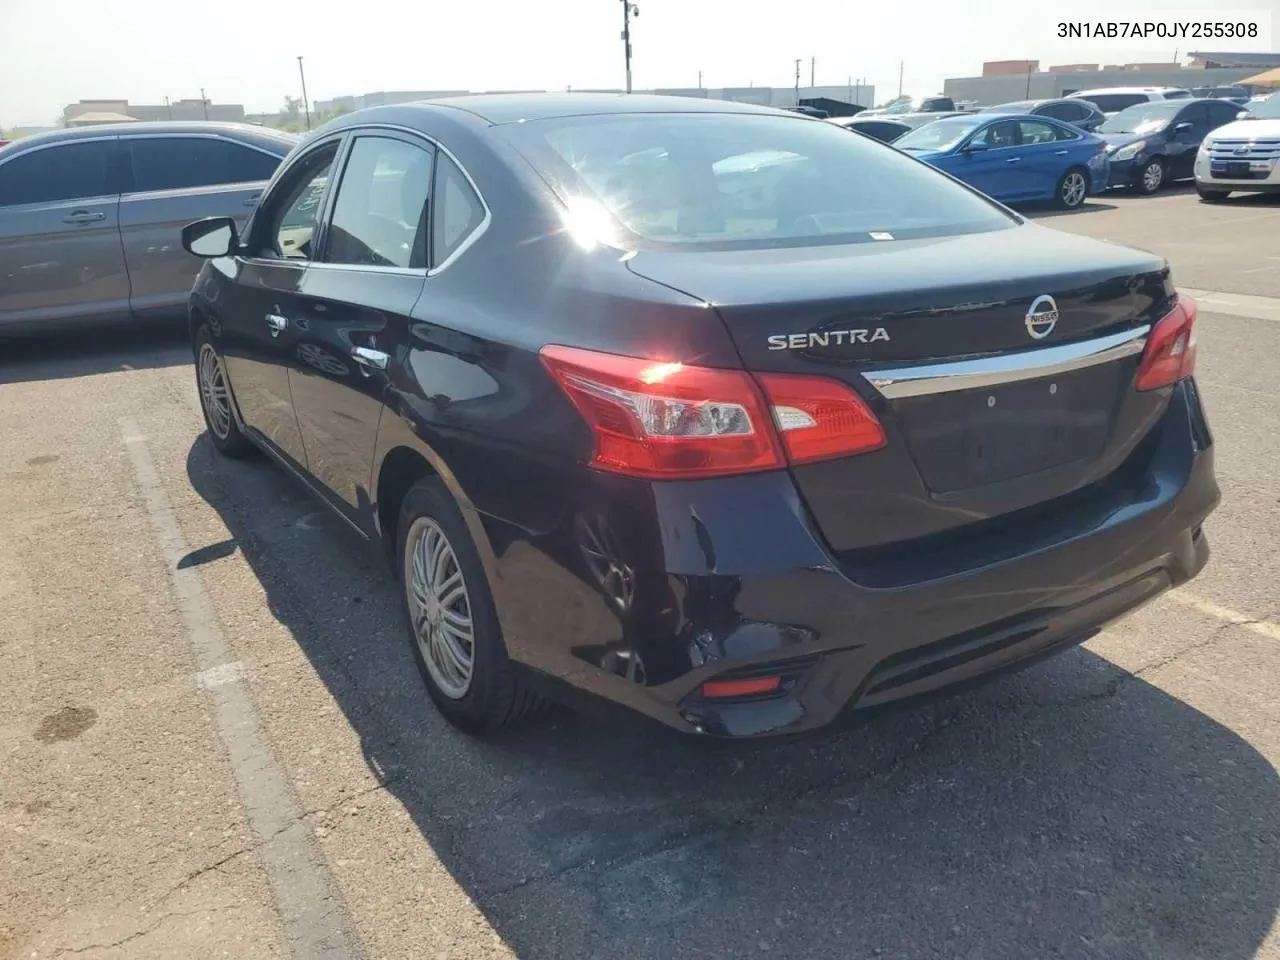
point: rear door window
(1220, 113)
(381, 211)
(176, 163)
(67, 171)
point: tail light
(1170, 354)
(673, 420)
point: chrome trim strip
(919, 381)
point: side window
(1033, 132)
(1220, 113)
(1003, 133)
(381, 211)
(69, 171)
(176, 163)
(291, 212)
(1197, 114)
(1059, 111)
(459, 211)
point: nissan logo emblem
(1042, 317)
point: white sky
(54, 52)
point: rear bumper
(729, 579)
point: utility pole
(797, 81)
(306, 107)
(1028, 94)
(629, 10)
(204, 103)
(699, 79)
(167, 108)
(902, 66)
(813, 65)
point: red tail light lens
(1170, 354)
(671, 420)
(666, 420)
(819, 418)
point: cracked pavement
(1118, 801)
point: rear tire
(1211, 196)
(216, 401)
(453, 625)
(1073, 189)
(1150, 177)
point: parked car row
(1159, 135)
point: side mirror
(210, 237)
(977, 146)
(1182, 127)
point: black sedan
(704, 409)
(1078, 113)
(1155, 143)
(878, 128)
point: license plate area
(973, 438)
(1237, 169)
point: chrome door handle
(1013, 160)
(1060, 153)
(276, 323)
(84, 216)
(368, 357)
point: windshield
(1268, 109)
(940, 134)
(1144, 118)
(729, 181)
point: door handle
(368, 357)
(252, 200)
(1013, 160)
(84, 216)
(1060, 153)
(276, 324)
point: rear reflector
(1170, 354)
(751, 687)
(666, 420)
(819, 419)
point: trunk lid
(988, 406)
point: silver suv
(90, 218)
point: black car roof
(244, 131)
(496, 108)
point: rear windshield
(744, 180)
(1115, 102)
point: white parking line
(1262, 627)
(314, 919)
(1239, 304)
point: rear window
(1115, 102)
(739, 181)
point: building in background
(82, 113)
(1003, 81)
(766, 96)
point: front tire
(1073, 189)
(453, 625)
(1211, 196)
(1150, 177)
(216, 401)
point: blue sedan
(1015, 159)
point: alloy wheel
(213, 392)
(1152, 177)
(1074, 189)
(440, 608)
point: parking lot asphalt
(214, 741)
